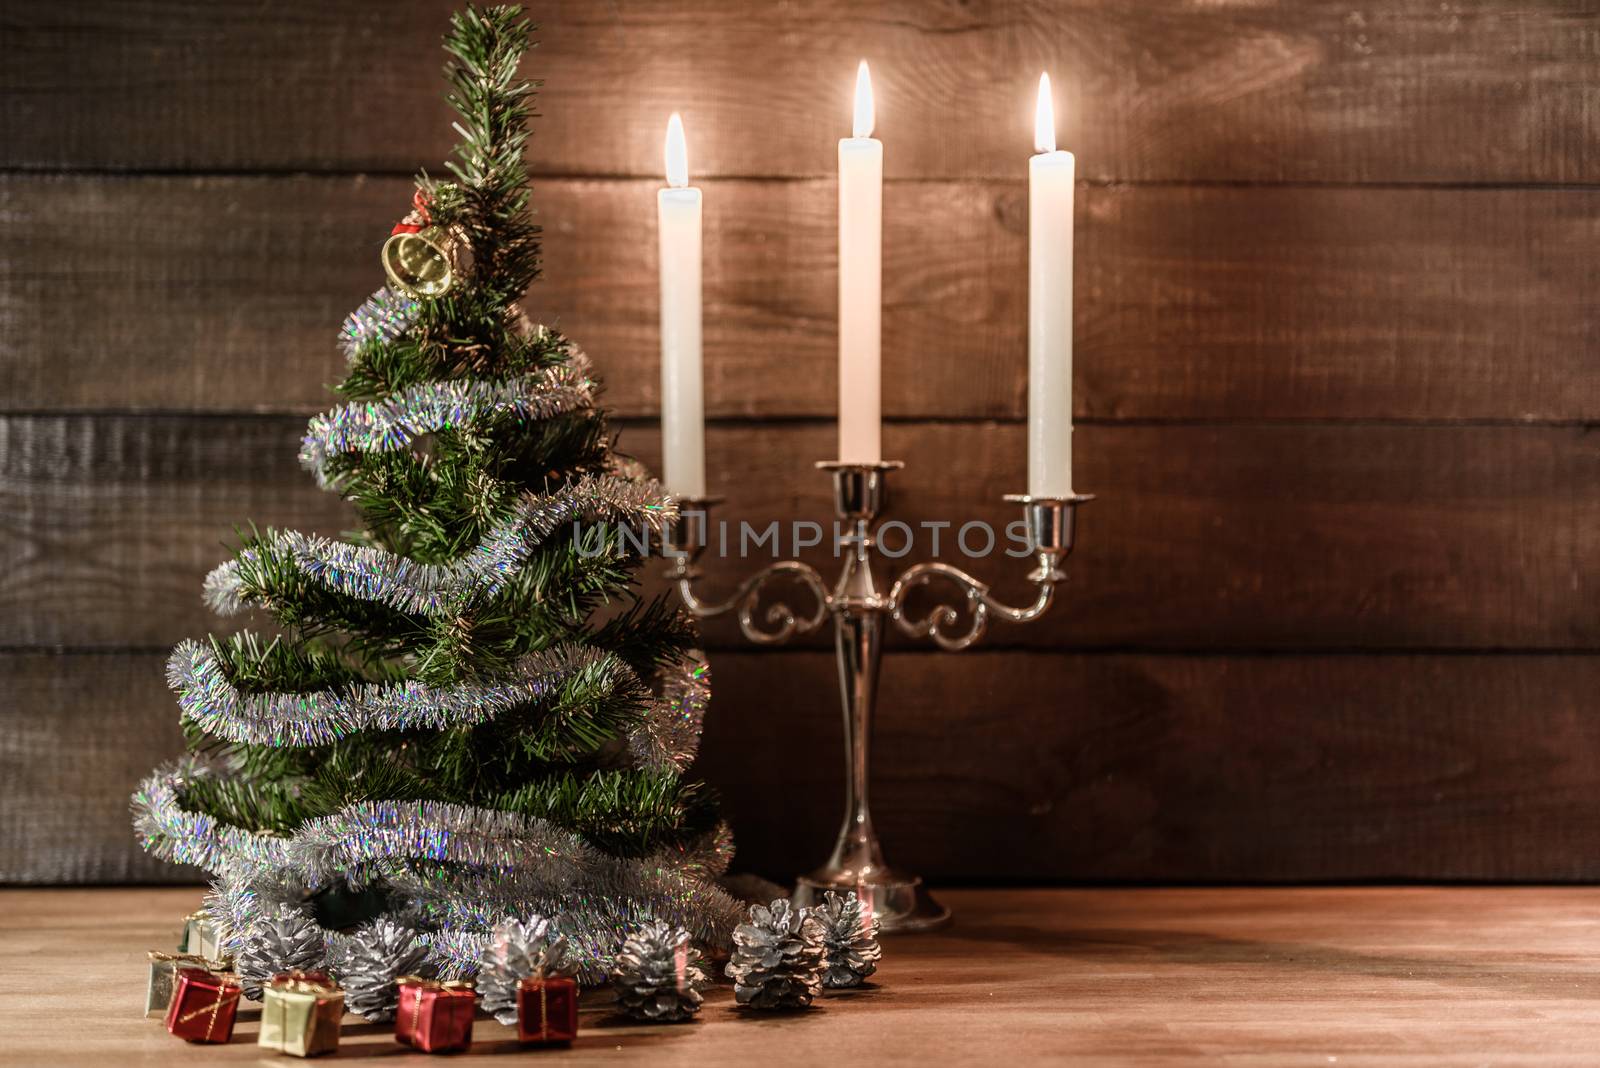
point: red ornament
(417, 218)
(434, 1017)
(203, 1006)
(547, 1010)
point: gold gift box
(164, 977)
(301, 1013)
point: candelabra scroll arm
(940, 621)
(782, 621)
(1051, 525)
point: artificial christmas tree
(469, 715)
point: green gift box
(164, 977)
(200, 936)
(301, 1013)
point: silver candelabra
(858, 604)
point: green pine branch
(626, 813)
(486, 90)
(437, 500)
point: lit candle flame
(865, 116)
(677, 154)
(1044, 119)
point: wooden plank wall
(1333, 616)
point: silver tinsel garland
(369, 573)
(384, 316)
(374, 835)
(395, 422)
(464, 869)
(211, 701)
(171, 832)
(669, 736)
(705, 859)
(666, 739)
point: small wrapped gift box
(301, 1013)
(435, 1017)
(547, 1010)
(164, 978)
(200, 936)
(203, 1004)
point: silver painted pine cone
(849, 940)
(285, 941)
(515, 951)
(369, 963)
(658, 975)
(777, 958)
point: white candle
(683, 445)
(1050, 178)
(860, 282)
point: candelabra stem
(899, 901)
(858, 638)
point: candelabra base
(901, 903)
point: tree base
(339, 908)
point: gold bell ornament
(423, 259)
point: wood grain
(1408, 91)
(77, 735)
(1331, 617)
(109, 528)
(1049, 767)
(1205, 537)
(223, 294)
(1376, 978)
(1030, 766)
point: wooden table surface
(1391, 976)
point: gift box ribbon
(455, 986)
(316, 984)
(187, 960)
(201, 919)
(544, 1003)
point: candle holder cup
(860, 603)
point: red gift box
(547, 1010)
(203, 1006)
(435, 1017)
